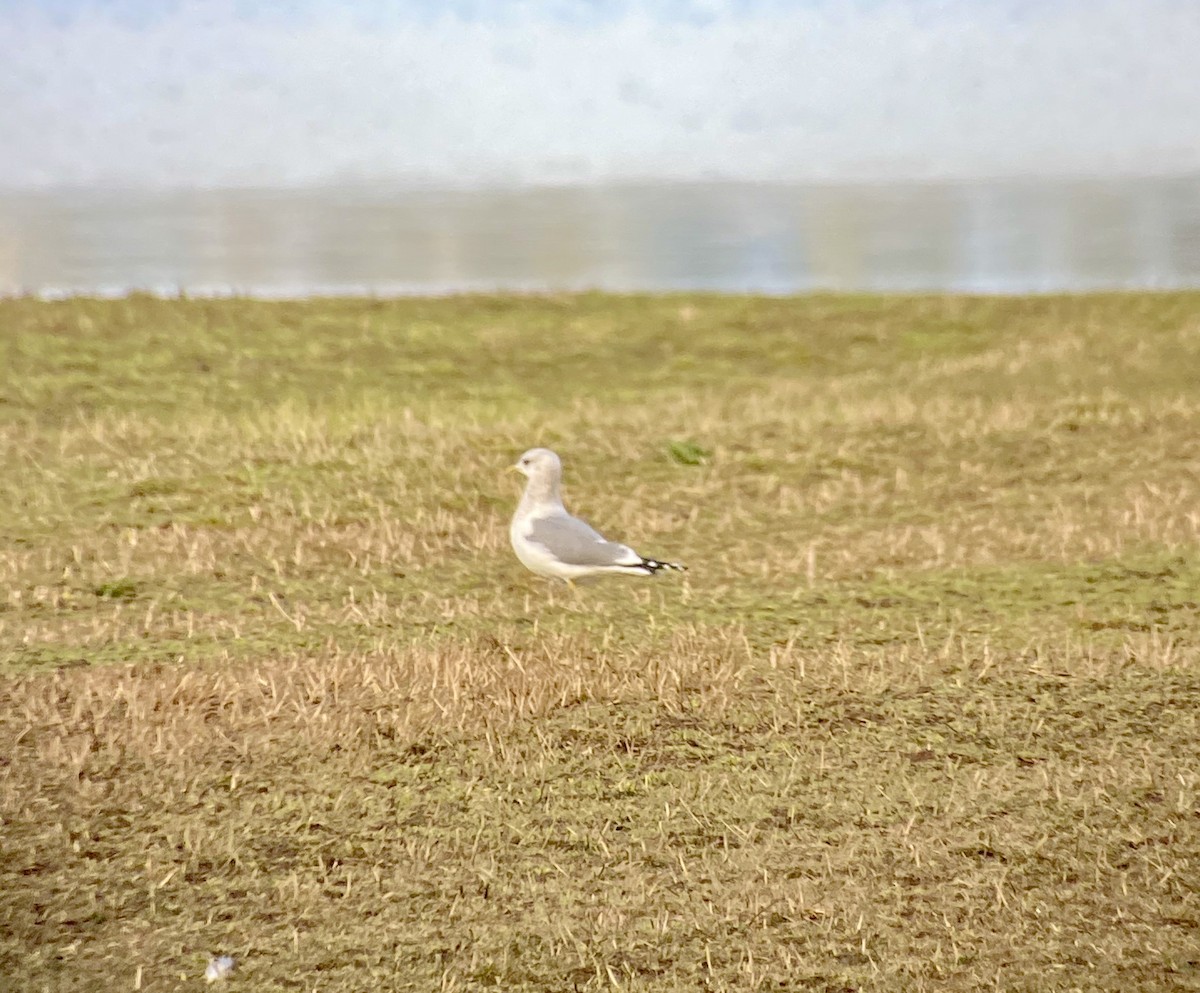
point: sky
(228, 93)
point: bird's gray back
(576, 542)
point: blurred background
(406, 146)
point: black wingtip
(653, 566)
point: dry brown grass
(922, 716)
(570, 814)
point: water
(990, 237)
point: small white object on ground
(551, 542)
(219, 967)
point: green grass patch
(921, 715)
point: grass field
(924, 714)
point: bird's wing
(575, 542)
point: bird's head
(538, 463)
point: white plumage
(550, 542)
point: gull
(550, 542)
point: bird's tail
(653, 566)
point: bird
(550, 542)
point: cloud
(215, 94)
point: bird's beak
(513, 468)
